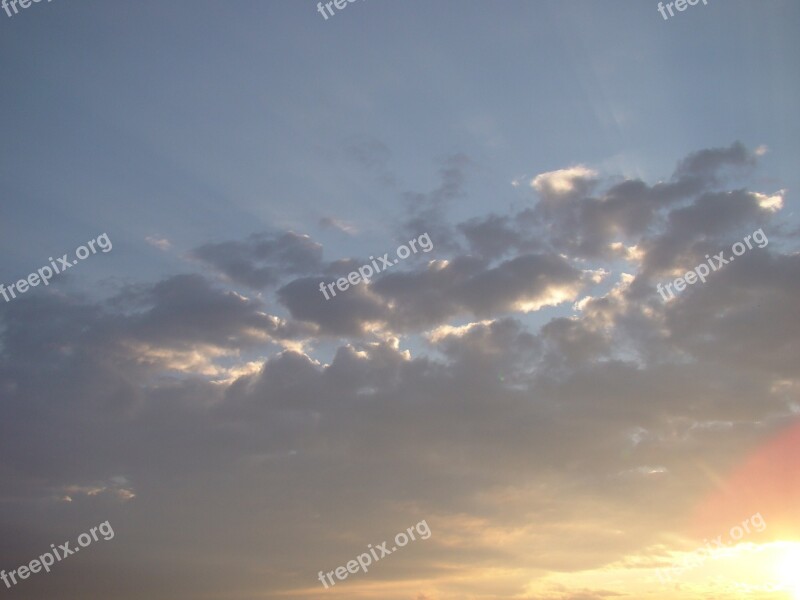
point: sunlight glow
(788, 570)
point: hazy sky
(521, 387)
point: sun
(788, 570)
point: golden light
(788, 570)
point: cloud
(705, 164)
(407, 301)
(464, 389)
(564, 182)
(159, 242)
(262, 260)
(117, 487)
(426, 211)
(331, 223)
(583, 219)
(495, 236)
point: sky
(578, 379)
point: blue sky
(522, 387)
(147, 114)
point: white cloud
(563, 181)
(160, 243)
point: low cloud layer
(523, 388)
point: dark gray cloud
(349, 313)
(495, 236)
(586, 225)
(711, 223)
(262, 260)
(407, 301)
(707, 164)
(427, 211)
(187, 309)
